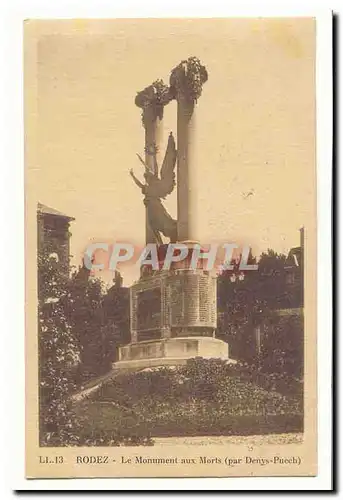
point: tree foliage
(100, 321)
(246, 303)
(58, 351)
(80, 327)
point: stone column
(152, 100)
(186, 82)
(196, 297)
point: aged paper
(171, 297)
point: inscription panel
(149, 315)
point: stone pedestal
(172, 351)
(173, 318)
(173, 304)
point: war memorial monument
(173, 313)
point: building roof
(43, 209)
(295, 257)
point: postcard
(171, 247)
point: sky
(255, 126)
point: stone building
(53, 230)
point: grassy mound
(205, 397)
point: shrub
(204, 397)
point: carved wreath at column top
(152, 99)
(187, 79)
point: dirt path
(258, 440)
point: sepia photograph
(171, 236)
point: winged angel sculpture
(156, 188)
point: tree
(58, 351)
(252, 301)
(238, 305)
(84, 311)
(283, 346)
(100, 321)
(272, 278)
(116, 314)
